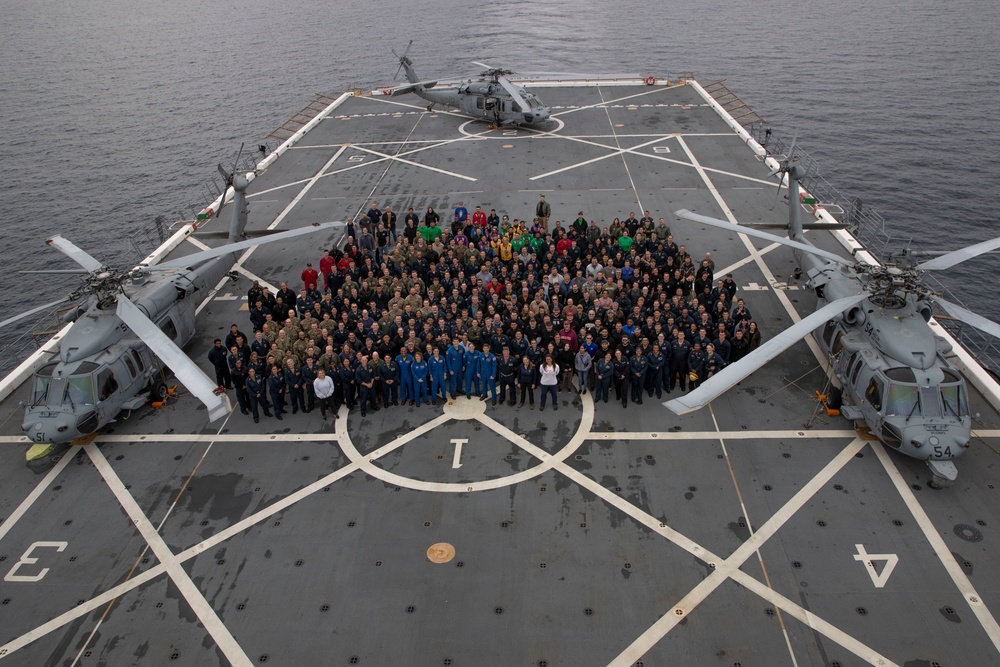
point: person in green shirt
(625, 243)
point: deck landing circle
(530, 133)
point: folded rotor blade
(205, 255)
(750, 231)
(730, 375)
(514, 92)
(950, 259)
(33, 311)
(70, 249)
(969, 317)
(479, 64)
(186, 371)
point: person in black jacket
(217, 355)
(527, 378)
(276, 388)
(621, 374)
(239, 377)
(679, 363)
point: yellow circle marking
(619, 124)
(442, 552)
(508, 145)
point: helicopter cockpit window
(953, 395)
(874, 393)
(517, 107)
(43, 378)
(534, 103)
(106, 381)
(167, 327)
(80, 389)
(902, 401)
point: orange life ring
(649, 80)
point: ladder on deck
(737, 108)
(296, 122)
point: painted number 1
(27, 559)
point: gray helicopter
(872, 323)
(126, 324)
(492, 97)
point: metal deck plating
(593, 535)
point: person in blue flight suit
(471, 372)
(622, 377)
(293, 386)
(308, 377)
(348, 383)
(257, 394)
(604, 370)
(638, 366)
(388, 372)
(488, 373)
(655, 361)
(217, 355)
(418, 371)
(696, 365)
(276, 387)
(405, 363)
(363, 376)
(455, 358)
(437, 367)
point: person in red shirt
(326, 264)
(478, 217)
(310, 277)
(563, 245)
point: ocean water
(114, 112)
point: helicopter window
(517, 107)
(854, 367)
(831, 326)
(106, 381)
(534, 103)
(130, 366)
(901, 374)
(138, 361)
(43, 378)
(930, 403)
(874, 393)
(80, 390)
(954, 400)
(902, 401)
(167, 327)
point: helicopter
(872, 323)
(493, 97)
(125, 325)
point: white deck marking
(615, 101)
(746, 260)
(868, 560)
(39, 489)
(749, 523)
(728, 435)
(730, 568)
(456, 461)
(213, 624)
(416, 164)
(614, 152)
(974, 600)
(618, 143)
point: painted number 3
(28, 559)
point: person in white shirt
(549, 374)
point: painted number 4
(28, 559)
(878, 578)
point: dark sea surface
(115, 111)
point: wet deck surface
(594, 535)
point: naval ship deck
(594, 535)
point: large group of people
(489, 308)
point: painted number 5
(27, 559)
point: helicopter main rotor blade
(514, 92)
(186, 371)
(479, 64)
(950, 259)
(750, 231)
(71, 250)
(205, 255)
(33, 311)
(969, 317)
(723, 380)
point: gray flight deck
(590, 536)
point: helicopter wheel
(158, 391)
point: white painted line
(39, 489)
(209, 618)
(682, 436)
(603, 103)
(961, 581)
(614, 152)
(395, 158)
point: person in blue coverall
(455, 358)
(488, 373)
(418, 373)
(405, 361)
(471, 372)
(437, 368)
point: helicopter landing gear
(943, 474)
(430, 107)
(158, 391)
